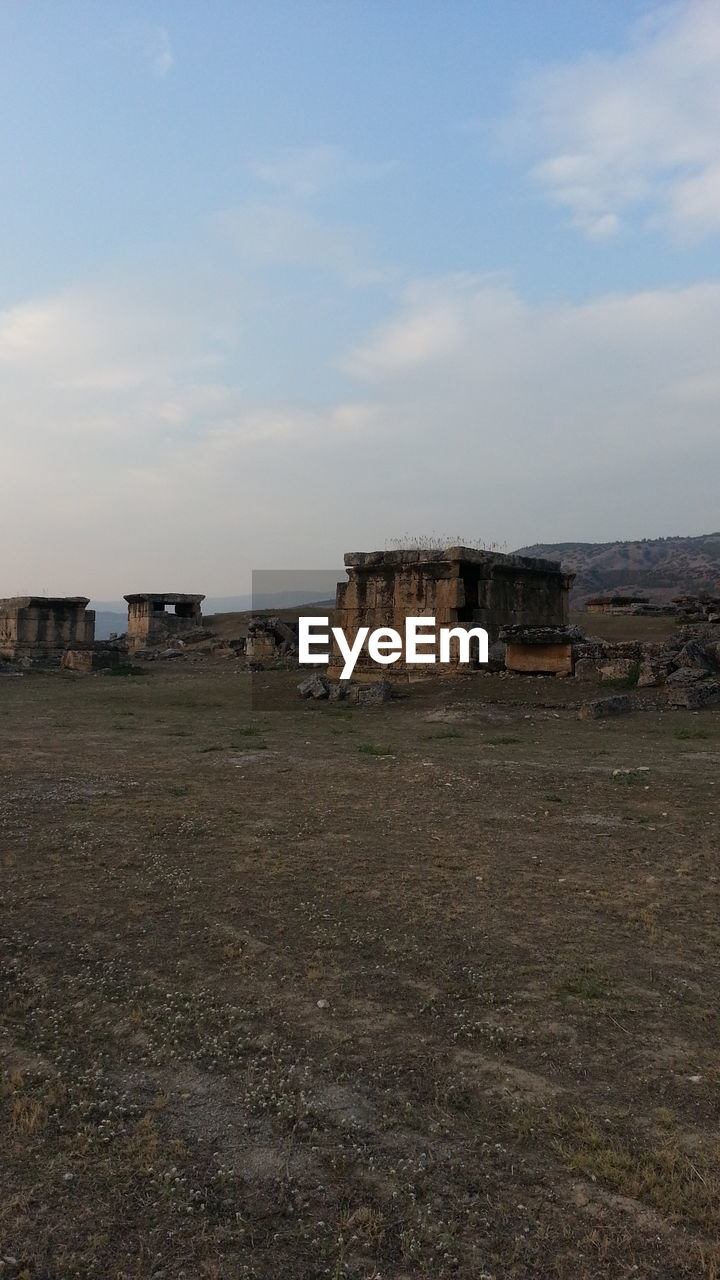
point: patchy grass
(689, 732)
(251, 730)
(587, 984)
(661, 1172)
(284, 1013)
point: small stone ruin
(41, 628)
(157, 619)
(540, 650)
(270, 639)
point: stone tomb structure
(156, 618)
(614, 604)
(43, 627)
(540, 650)
(458, 587)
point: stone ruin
(458, 587)
(157, 619)
(702, 608)
(42, 628)
(540, 650)
(616, 604)
(270, 639)
(98, 655)
(686, 664)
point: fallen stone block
(375, 694)
(314, 687)
(694, 697)
(652, 673)
(339, 690)
(687, 675)
(77, 660)
(620, 705)
(618, 649)
(587, 669)
(619, 669)
(693, 655)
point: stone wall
(155, 619)
(42, 628)
(458, 586)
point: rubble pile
(270, 639)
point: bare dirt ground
(422, 992)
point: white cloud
(309, 171)
(157, 51)
(265, 235)
(634, 135)
(131, 457)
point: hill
(657, 567)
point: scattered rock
(156, 655)
(620, 705)
(619, 669)
(696, 696)
(653, 672)
(693, 656)
(687, 675)
(587, 669)
(375, 694)
(314, 687)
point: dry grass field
(427, 992)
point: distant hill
(108, 623)
(657, 567)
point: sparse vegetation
(451, 1015)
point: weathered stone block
(587, 669)
(43, 627)
(77, 660)
(375, 694)
(620, 705)
(617, 649)
(695, 697)
(652, 673)
(314, 687)
(619, 669)
(687, 675)
(551, 659)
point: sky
(281, 279)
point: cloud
(633, 137)
(309, 171)
(264, 235)
(140, 447)
(564, 421)
(157, 51)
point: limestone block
(602, 707)
(539, 658)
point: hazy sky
(284, 279)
